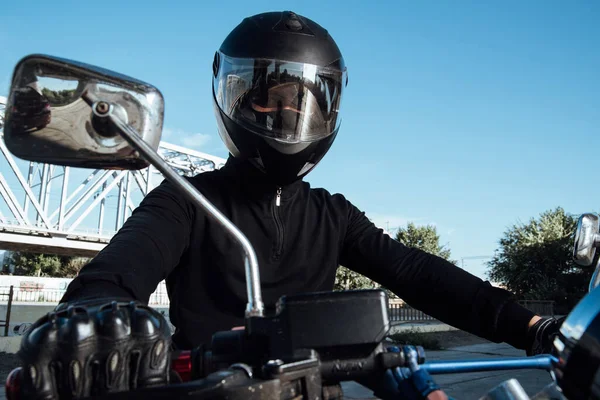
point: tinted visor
(286, 101)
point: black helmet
(278, 80)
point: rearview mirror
(586, 239)
(49, 116)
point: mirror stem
(255, 306)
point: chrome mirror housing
(49, 116)
(587, 238)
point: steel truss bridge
(69, 211)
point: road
(474, 385)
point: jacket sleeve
(432, 284)
(142, 253)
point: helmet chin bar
(256, 162)
(287, 148)
(282, 163)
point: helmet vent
(293, 22)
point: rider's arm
(432, 284)
(142, 253)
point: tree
(60, 97)
(346, 279)
(38, 264)
(425, 238)
(35, 264)
(71, 265)
(534, 260)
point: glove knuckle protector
(95, 348)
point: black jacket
(299, 245)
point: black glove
(540, 337)
(93, 348)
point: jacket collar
(254, 182)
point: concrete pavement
(471, 386)
(425, 326)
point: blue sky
(468, 115)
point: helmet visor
(286, 101)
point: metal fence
(400, 311)
(33, 294)
(37, 295)
(8, 295)
(160, 297)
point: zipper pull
(278, 197)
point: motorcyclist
(278, 82)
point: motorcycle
(313, 341)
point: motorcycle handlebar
(183, 364)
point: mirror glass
(49, 116)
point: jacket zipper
(278, 225)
